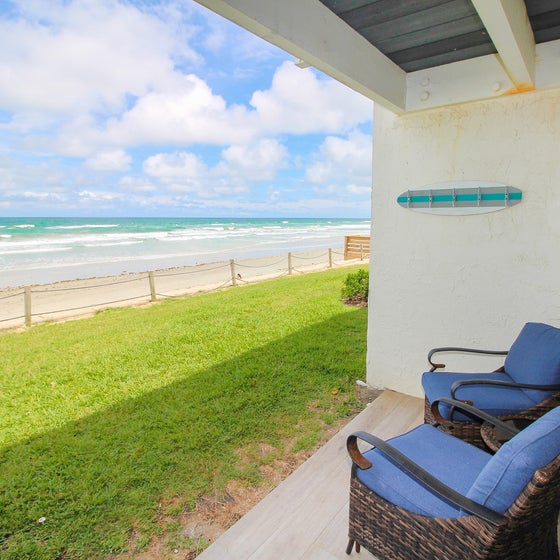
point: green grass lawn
(106, 420)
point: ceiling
(419, 34)
(414, 55)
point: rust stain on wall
(520, 88)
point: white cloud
(16, 198)
(361, 190)
(99, 75)
(239, 168)
(186, 113)
(137, 184)
(70, 57)
(301, 207)
(300, 102)
(180, 171)
(343, 162)
(224, 40)
(115, 160)
(19, 175)
(91, 79)
(56, 197)
(257, 162)
(319, 173)
(185, 110)
(100, 196)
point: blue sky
(162, 108)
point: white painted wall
(462, 280)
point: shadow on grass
(80, 491)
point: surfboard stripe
(484, 197)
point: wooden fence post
(153, 296)
(232, 267)
(330, 258)
(27, 304)
(290, 271)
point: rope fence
(33, 304)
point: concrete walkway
(305, 517)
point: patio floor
(305, 517)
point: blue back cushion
(512, 467)
(535, 358)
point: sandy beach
(83, 297)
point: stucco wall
(462, 280)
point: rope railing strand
(43, 305)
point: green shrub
(356, 287)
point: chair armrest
(413, 470)
(440, 420)
(498, 383)
(459, 349)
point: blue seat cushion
(512, 467)
(449, 459)
(534, 358)
(492, 399)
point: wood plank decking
(305, 517)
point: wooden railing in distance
(356, 246)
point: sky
(163, 108)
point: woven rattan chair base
(470, 431)
(392, 533)
(494, 437)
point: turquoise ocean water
(44, 250)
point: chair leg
(351, 543)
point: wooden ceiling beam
(509, 28)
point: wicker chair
(429, 495)
(528, 384)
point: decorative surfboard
(461, 198)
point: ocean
(45, 250)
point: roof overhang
(326, 34)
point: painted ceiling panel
(419, 34)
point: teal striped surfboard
(461, 197)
